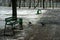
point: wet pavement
(51, 29)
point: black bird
(42, 24)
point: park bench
(10, 21)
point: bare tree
(43, 3)
(29, 3)
(19, 3)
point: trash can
(21, 23)
(38, 11)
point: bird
(42, 24)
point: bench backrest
(10, 19)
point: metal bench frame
(10, 21)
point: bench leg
(13, 29)
(4, 29)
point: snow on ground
(27, 15)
